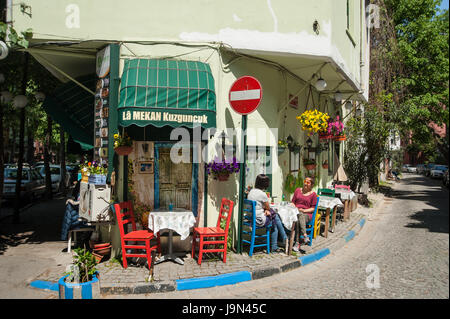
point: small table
(288, 216)
(179, 220)
(328, 203)
(348, 197)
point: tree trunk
(48, 178)
(62, 152)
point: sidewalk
(169, 276)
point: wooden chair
(125, 216)
(249, 222)
(326, 192)
(313, 225)
(226, 210)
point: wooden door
(175, 181)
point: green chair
(326, 192)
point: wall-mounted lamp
(309, 143)
(321, 84)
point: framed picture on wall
(293, 101)
(146, 167)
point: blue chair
(312, 225)
(249, 222)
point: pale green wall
(250, 24)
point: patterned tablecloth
(329, 202)
(288, 214)
(345, 194)
(179, 220)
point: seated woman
(265, 216)
(305, 200)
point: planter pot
(281, 150)
(339, 138)
(324, 137)
(223, 177)
(85, 290)
(123, 150)
(310, 167)
(325, 166)
(85, 178)
(97, 179)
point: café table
(288, 216)
(348, 196)
(178, 220)
(329, 203)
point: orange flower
(89, 164)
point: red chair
(125, 216)
(226, 210)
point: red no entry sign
(245, 95)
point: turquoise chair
(328, 193)
(310, 226)
(249, 228)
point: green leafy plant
(86, 264)
(309, 161)
(120, 140)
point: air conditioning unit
(94, 202)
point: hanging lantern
(20, 101)
(348, 105)
(6, 96)
(321, 84)
(40, 96)
(338, 96)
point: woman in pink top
(305, 200)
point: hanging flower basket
(223, 176)
(313, 121)
(324, 136)
(221, 169)
(123, 150)
(339, 138)
(309, 164)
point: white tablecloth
(345, 194)
(178, 220)
(288, 214)
(329, 202)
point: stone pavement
(114, 279)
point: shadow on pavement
(432, 194)
(39, 223)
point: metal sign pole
(242, 180)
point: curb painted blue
(362, 222)
(40, 284)
(350, 235)
(304, 260)
(212, 281)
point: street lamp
(20, 101)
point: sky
(444, 4)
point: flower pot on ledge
(123, 150)
(325, 166)
(324, 136)
(310, 167)
(281, 150)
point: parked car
(438, 171)
(445, 179)
(55, 172)
(420, 168)
(33, 184)
(412, 169)
(428, 168)
(405, 168)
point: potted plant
(97, 173)
(310, 164)
(122, 144)
(82, 281)
(313, 121)
(336, 129)
(221, 169)
(325, 164)
(282, 145)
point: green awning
(72, 107)
(167, 92)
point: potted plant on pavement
(122, 144)
(97, 173)
(221, 169)
(82, 279)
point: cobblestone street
(406, 241)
